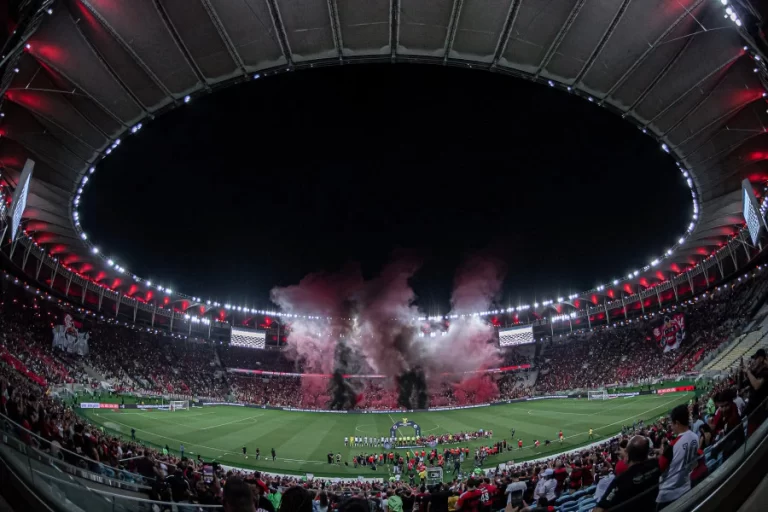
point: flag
(671, 332)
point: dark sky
(259, 184)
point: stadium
(131, 387)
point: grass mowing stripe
(303, 440)
(186, 443)
(231, 422)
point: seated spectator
(636, 489)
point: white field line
(610, 424)
(390, 417)
(166, 437)
(231, 422)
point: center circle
(261, 183)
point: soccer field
(302, 440)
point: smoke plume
(359, 326)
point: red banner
(678, 389)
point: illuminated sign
(19, 202)
(751, 211)
(515, 336)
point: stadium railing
(730, 474)
(90, 499)
(34, 456)
(62, 486)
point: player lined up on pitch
(409, 441)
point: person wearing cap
(546, 485)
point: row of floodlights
(653, 263)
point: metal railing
(95, 500)
(40, 450)
(716, 464)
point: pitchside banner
(671, 332)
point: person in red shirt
(727, 415)
(489, 493)
(577, 473)
(560, 475)
(587, 478)
(471, 499)
(519, 444)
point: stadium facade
(78, 76)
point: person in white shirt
(546, 486)
(740, 405)
(515, 490)
(606, 477)
(678, 459)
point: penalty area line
(169, 438)
(231, 422)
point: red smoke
(377, 319)
(475, 389)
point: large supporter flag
(68, 338)
(671, 332)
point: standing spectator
(606, 477)
(516, 491)
(296, 499)
(678, 459)
(546, 485)
(635, 489)
(757, 373)
(238, 496)
(560, 475)
(471, 499)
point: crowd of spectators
(274, 360)
(628, 352)
(277, 392)
(156, 363)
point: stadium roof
(88, 72)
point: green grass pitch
(303, 440)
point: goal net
(597, 395)
(176, 405)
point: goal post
(597, 395)
(176, 405)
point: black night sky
(259, 184)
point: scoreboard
(516, 336)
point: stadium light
(187, 98)
(110, 263)
(681, 241)
(615, 282)
(83, 236)
(95, 250)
